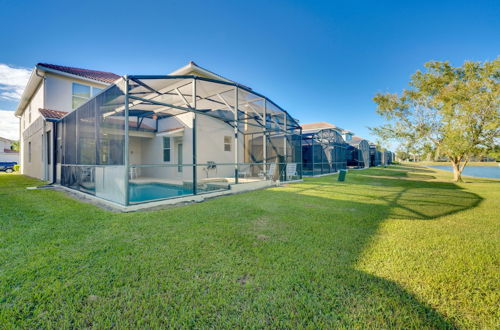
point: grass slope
(393, 247)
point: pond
(475, 171)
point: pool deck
(178, 201)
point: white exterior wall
(210, 147)
(152, 151)
(28, 134)
(59, 91)
(9, 157)
(33, 166)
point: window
(29, 114)
(96, 91)
(29, 151)
(48, 147)
(227, 143)
(166, 149)
(81, 93)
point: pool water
(492, 172)
(151, 191)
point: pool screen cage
(358, 154)
(148, 138)
(375, 155)
(323, 152)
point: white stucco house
(6, 153)
(51, 92)
(134, 139)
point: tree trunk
(457, 171)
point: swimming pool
(150, 191)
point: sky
(319, 60)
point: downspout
(54, 152)
(44, 151)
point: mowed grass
(390, 247)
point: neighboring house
(358, 153)
(323, 148)
(346, 134)
(134, 139)
(375, 155)
(6, 153)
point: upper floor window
(227, 143)
(81, 93)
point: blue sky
(320, 60)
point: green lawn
(393, 247)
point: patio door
(179, 157)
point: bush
(17, 168)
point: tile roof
(10, 151)
(52, 114)
(106, 77)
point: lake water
(476, 171)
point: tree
(14, 146)
(452, 110)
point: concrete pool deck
(170, 202)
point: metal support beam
(195, 181)
(235, 133)
(186, 103)
(301, 158)
(285, 140)
(126, 141)
(264, 138)
(227, 103)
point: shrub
(17, 167)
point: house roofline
(36, 77)
(193, 67)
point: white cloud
(9, 125)
(12, 81)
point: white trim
(192, 67)
(175, 132)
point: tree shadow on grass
(327, 274)
(285, 257)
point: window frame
(93, 91)
(169, 148)
(228, 144)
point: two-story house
(51, 92)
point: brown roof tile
(52, 114)
(106, 77)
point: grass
(390, 247)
